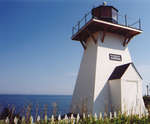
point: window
(114, 14)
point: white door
(131, 90)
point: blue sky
(37, 55)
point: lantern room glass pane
(114, 14)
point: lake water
(38, 103)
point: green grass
(120, 119)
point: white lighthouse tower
(107, 79)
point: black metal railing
(122, 20)
(81, 22)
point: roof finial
(104, 3)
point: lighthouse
(107, 80)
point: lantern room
(106, 13)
